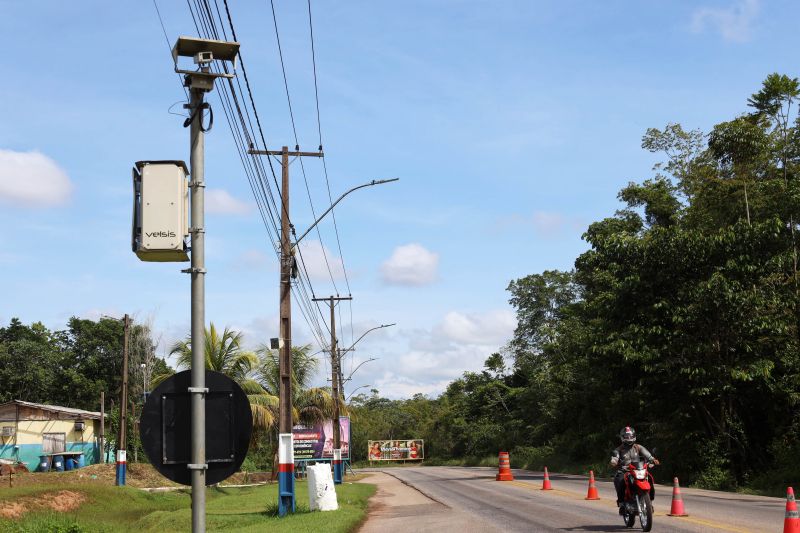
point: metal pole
(102, 426)
(198, 369)
(122, 460)
(286, 496)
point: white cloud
(32, 179)
(317, 259)
(494, 327)
(432, 358)
(548, 224)
(220, 202)
(734, 23)
(410, 264)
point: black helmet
(627, 435)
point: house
(29, 430)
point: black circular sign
(166, 427)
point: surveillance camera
(202, 58)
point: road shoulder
(396, 506)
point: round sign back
(166, 427)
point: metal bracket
(194, 270)
(201, 390)
(197, 230)
(192, 466)
(197, 184)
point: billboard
(396, 450)
(315, 443)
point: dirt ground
(139, 475)
(62, 501)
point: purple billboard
(316, 442)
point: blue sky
(512, 125)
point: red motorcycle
(639, 494)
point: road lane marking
(609, 503)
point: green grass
(113, 509)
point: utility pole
(336, 383)
(286, 498)
(286, 495)
(123, 406)
(103, 426)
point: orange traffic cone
(504, 468)
(677, 500)
(791, 523)
(592, 494)
(546, 482)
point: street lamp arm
(365, 334)
(354, 391)
(370, 184)
(359, 366)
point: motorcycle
(639, 494)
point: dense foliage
(680, 319)
(72, 367)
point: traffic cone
(592, 494)
(546, 482)
(677, 500)
(504, 468)
(791, 523)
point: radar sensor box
(160, 211)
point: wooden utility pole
(336, 384)
(103, 426)
(286, 502)
(122, 460)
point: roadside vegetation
(681, 319)
(77, 508)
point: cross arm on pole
(281, 152)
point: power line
(254, 169)
(324, 164)
(297, 142)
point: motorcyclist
(626, 453)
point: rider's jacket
(629, 454)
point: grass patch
(114, 509)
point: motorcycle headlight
(641, 474)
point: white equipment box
(160, 211)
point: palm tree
(310, 405)
(224, 354)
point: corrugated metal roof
(58, 409)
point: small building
(29, 430)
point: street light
(365, 334)
(343, 381)
(354, 391)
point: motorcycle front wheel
(629, 518)
(645, 511)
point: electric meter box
(160, 211)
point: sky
(512, 125)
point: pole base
(338, 472)
(122, 469)
(286, 494)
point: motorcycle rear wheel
(645, 511)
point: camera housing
(203, 58)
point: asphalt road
(472, 495)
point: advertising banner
(396, 450)
(315, 443)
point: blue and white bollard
(338, 467)
(286, 499)
(122, 467)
